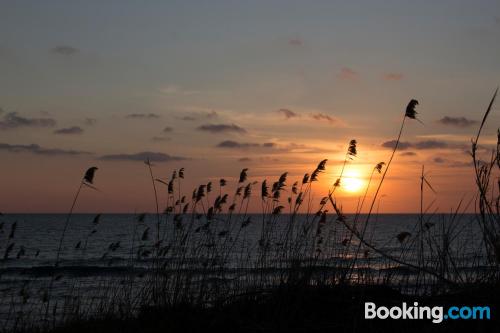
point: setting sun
(351, 181)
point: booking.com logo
(437, 313)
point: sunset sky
(216, 86)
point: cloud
(221, 128)
(459, 164)
(288, 113)
(424, 145)
(168, 129)
(12, 120)
(461, 122)
(324, 117)
(392, 143)
(90, 121)
(69, 130)
(193, 116)
(497, 19)
(451, 163)
(36, 149)
(244, 159)
(393, 76)
(142, 116)
(143, 156)
(431, 144)
(408, 153)
(244, 145)
(64, 50)
(211, 114)
(237, 145)
(271, 147)
(347, 73)
(295, 41)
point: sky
(217, 86)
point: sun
(351, 181)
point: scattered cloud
(142, 116)
(296, 41)
(408, 153)
(244, 159)
(168, 129)
(193, 116)
(12, 120)
(347, 73)
(392, 143)
(459, 164)
(69, 130)
(439, 160)
(237, 145)
(288, 113)
(452, 163)
(325, 117)
(90, 121)
(64, 50)
(461, 122)
(269, 147)
(243, 145)
(221, 128)
(211, 114)
(36, 149)
(143, 156)
(423, 145)
(430, 144)
(393, 76)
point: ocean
(98, 256)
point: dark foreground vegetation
(206, 264)
(300, 309)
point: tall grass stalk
(87, 180)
